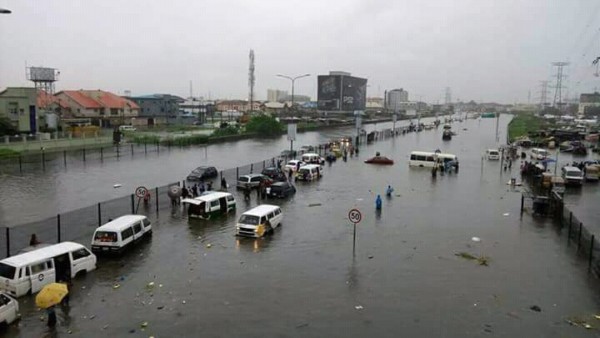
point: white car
(293, 165)
(492, 154)
(9, 309)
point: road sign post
(141, 193)
(355, 217)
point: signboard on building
(291, 134)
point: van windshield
(574, 173)
(105, 236)
(7, 271)
(249, 219)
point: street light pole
(293, 79)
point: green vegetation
(4, 153)
(227, 131)
(264, 125)
(6, 127)
(523, 124)
(145, 139)
(185, 140)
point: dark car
(275, 174)
(203, 173)
(252, 181)
(281, 190)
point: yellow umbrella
(51, 295)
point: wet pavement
(404, 280)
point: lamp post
(293, 79)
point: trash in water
(116, 286)
(505, 214)
(150, 285)
(144, 324)
(183, 302)
(465, 255)
(359, 199)
(160, 285)
(483, 260)
(118, 185)
(370, 257)
(69, 331)
(209, 245)
(535, 308)
(476, 239)
(358, 307)
(314, 205)
(597, 316)
(160, 307)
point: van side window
(214, 203)
(230, 198)
(81, 253)
(146, 223)
(37, 268)
(263, 220)
(278, 211)
(126, 233)
(137, 227)
(413, 157)
(271, 215)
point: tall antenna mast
(191, 90)
(558, 88)
(251, 79)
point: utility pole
(251, 79)
(543, 94)
(559, 86)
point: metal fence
(79, 225)
(585, 241)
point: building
(339, 91)
(196, 110)
(374, 103)
(19, 105)
(276, 95)
(589, 104)
(297, 98)
(157, 109)
(237, 105)
(395, 98)
(104, 109)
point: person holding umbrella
(51, 295)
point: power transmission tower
(251, 79)
(448, 98)
(559, 86)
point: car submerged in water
(203, 173)
(281, 190)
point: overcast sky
(490, 50)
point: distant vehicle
(252, 180)
(592, 172)
(118, 235)
(309, 172)
(9, 309)
(539, 154)
(203, 173)
(447, 135)
(572, 176)
(211, 204)
(125, 128)
(293, 165)
(259, 221)
(281, 190)
(29, 272)
(312, 158)
(492, 154)
(288, 153)
(275, 174)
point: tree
(6, 126)
(264, 125)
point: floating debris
(465, 255)
(476, 239)
(314, 205)
(150, 285)
(118, 185)
(505, 214)
(209, 245)
(144, 324)
(535, 308)
(116, 286)
(359, 307)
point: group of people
(198, 189)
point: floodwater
(404, 279)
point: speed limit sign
(140, 192)
(355, 216)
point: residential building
(274, 107)
(276, 95)
(339, 91)
(104, 109)
(374, 103)
(237, 105)
(157, 109)
(589, 103)
(19, 104)
(196, 110)
(395, 98)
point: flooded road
(405, 279)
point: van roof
(310, 166)
(570, 168)
(121, 223)
(261, 210)
(426, 153)
(41, 254)
(311, 154)
(446, 155)
(206, 198)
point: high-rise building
(276, 95)
(395, 98)
(339, 91)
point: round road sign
(354, 216)
(141, 192)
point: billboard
(42, 74)
(339, 92)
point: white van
(422, 159)
(492, 154)
(259, 221)
(30, 271)
(309, 172)
(117, 235)
(9, 309)
(312, 158)
(539, 154)
(126, 128)
(213, 203)
(572, 176)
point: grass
(523, 124)
(5, 153)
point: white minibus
(309, 172)
(259, 221)
(422, 159)
(214, 203)
(30, 271)
(117, 235)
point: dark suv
(203, 173)
(281, 190)
(275, 174)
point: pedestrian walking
(258, 190)
(185, 193)
(209, 186)
(223, 183)
(33, 240)
(201, 188)
(51, 312)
